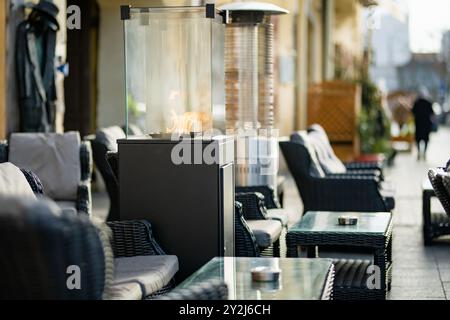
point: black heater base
(187, 196)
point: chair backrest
(299, 161)
(327, 158)
(436, 179)
(47, 254)
(302, 139)
(106, 141)
(54, 158)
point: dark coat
(423, 116)
(35, 67)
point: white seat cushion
(266, 231)
(126, 291)
(54, 158)
(13, 182)
(109, 137)
(278, 214)
(151, 273)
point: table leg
(292, 251)
(312, 252)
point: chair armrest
(214, 290)
(357, 174)
(84, 197)
(4, 151)
(364, 166)
(245, 241)
(86, 161)
(133, 238)
(112, 158)
(253, 205)
(271, 200)
(34, 182)
(350, 194)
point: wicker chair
(439, 224)
(255, 215)
(244, 239)
(336, 193)
(39, 244)
(104, 141)
(47, 242)
(83, 201)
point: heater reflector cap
(266, 8)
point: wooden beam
(2, 69)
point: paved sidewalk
(419, 272)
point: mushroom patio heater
(250, 110)
(178, 175)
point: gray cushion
(151, 273)
(13, 182)
(278, 214)
(329, 163)
(54, 158)
(302, 138)
(266, 231)
(332, 162)
(109, 137)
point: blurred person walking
(424, 120)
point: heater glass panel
(174, 82)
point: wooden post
(2, 69)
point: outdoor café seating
(118, 260)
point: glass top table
(375, 223)
(301, 279)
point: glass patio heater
(180, 174)
(174, 69)
(250, 110)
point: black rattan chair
(40, 244)
(244, 239)
(104, 141)
(255, 214)
(337, 193)
(83, 201)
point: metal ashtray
(265, 274)
(348, 221)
